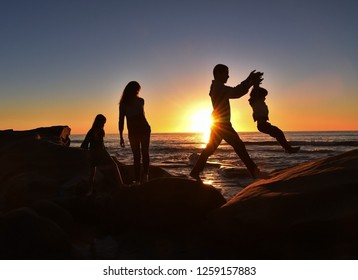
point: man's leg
(233, 139)
(214, 142)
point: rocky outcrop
(166, 203)
(26, 235)
(33, 169)
(307, 212)
(43, 184)
(57, 134)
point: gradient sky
(62, 62)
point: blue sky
(62, 62)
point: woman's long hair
(98, 123)
(130, 92)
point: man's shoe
(257, 174)
(195, 176)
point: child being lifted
(260, 115)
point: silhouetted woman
(98, 154)
(131, 107)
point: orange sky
(302, 107)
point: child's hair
(130, 91)
(258, 92)
(219, 69)
(99, 122)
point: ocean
(225, 171)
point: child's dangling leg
(275, 132)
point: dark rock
(33, 169)
(25, 235)
(307, 212)
(57, 214)
(58, 134)
(127, 172)
(159, 219)
(165, 203)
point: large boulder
(165, 203)
(307, 212)
(26, 235)
(127, 172)
(58, 134)
(33, 169)
(159, 219)
(55, 213)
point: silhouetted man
(222, 129)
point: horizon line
(248, 131)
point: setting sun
(201, 122)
